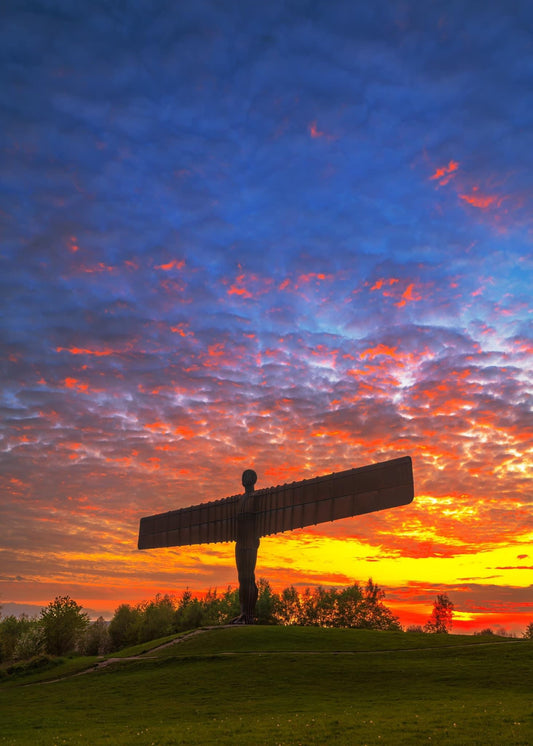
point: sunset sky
(289, 236)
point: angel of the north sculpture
(246, 517)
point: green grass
(274, 685)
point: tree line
(64, 628)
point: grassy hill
(284, 685)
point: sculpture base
(242, 619)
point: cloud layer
(291, 238)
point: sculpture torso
(247, 534)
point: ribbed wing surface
(328, 498)
(200, 524)
(286, 507)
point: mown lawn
(272, 685)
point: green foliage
(20, 638)
(30, 643)
(264, 608)
(344, 607)
(441, 616)
(288, 607)
(10, 630)
(156, 618)
(124, 627)
(96, 640)
(211, 610)
(63, 627)
(63, 623)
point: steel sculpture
(245, 518)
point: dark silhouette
(245, 518)
(246, 548)
(441, 616)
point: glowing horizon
(298, 243)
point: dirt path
(142, 656)
(145, 656)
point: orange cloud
(85, 351)
(315, 132)
(445, 174)
(408, 295)
(237, 289)
(73, 383)
(482, 201)
(97, 268)
(249, 285)
(174, 264)
(157, 426)
(216, 350)
(382, 281)
(380, 349)
(312, 276)
(185, 432)
(180, 329)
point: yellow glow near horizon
(357, 560)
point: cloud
(300, 243)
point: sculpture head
(249, 478)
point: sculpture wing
(286, 507)
(200, 524)
(328, 498)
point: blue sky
(294, 236)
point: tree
(372, 612)
(11, 629)
(63, 622)
(124, 627)
(96, 640)
(528, 632)
(264, 609)
(441, 616)
(30, 643)
(157, 618)
(288, 607)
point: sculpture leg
(248, 597)
(246, 558)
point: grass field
(284, 685)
